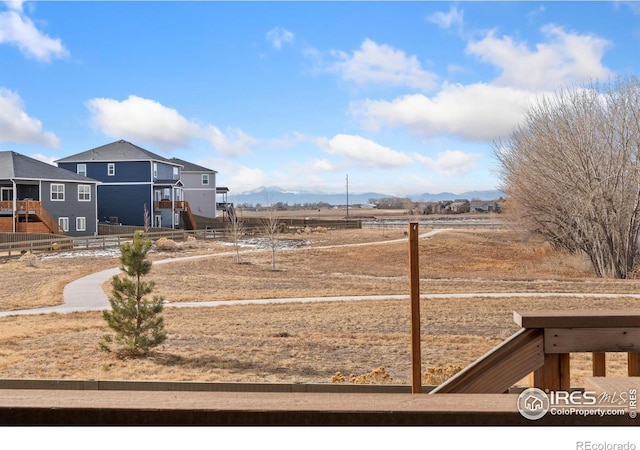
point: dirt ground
(307, 342)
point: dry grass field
(303, 342)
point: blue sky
(403, 97)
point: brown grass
(305, 342)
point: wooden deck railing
(542, 349)
(33, 207)
(168, 204)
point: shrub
(191, 242)
(439, 374)
(376, 376)
(29, 259)
(166, 244)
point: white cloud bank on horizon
(19, 30)
(146, 120)
(17, 126)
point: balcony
(168, 204)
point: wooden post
(414, 282)
(554, 375)
(633, 364)
(599, 363)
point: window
(82, 169)
(57, 192)
(64, 223)
(155, 170)
(81, 224)
(6, 194)
(205, 179)
(84, 193)
(176, 173)
(111, 169)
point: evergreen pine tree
(136, 321)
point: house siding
(165, 171)
(125, 171)
(201, 198)
(126, 202)
(71, 207)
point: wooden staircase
(30, 217)
(187, 217)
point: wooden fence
(96, 242)
(14, 244)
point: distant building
(199, 187)
(134, 179)
(36, 197)
(460, 206)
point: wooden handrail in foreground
(543, 346)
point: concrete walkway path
(86, 293)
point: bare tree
(572, 172)
(147, 218)
(235, 232)
(271, 230)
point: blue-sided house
(36, 197)
(134, 180)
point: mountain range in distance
(267, 196)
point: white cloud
(15, 5)
(450, 162)
(234, 143)
(278, 36)
(564, 59)
(447, 20)
(313, 166)
(139, 118)
(237, 177)
(374, 63)
(365, 151)
(142, 119)
(19, 30)
(290, 140)
(17, 126)
(477, 112)
(46, 159)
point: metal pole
(414, 281)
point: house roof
(190, 167)
(116, 151)
(16, 166)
